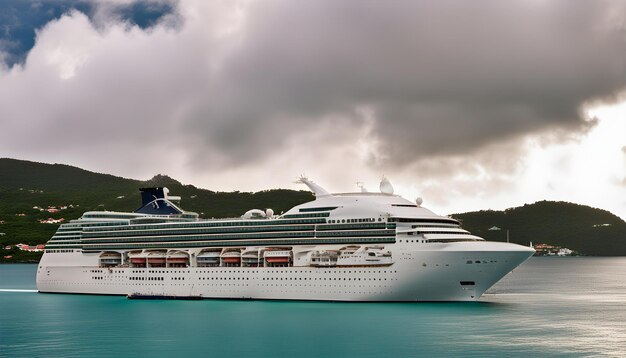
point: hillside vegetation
(25, 185)
(581, 228)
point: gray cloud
(417, 79)
(441, 78)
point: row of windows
(355, 240)
(62, 246)
(326, 208)
(212, 224)
(202, 237)
(440, 241)
(58, 251)
(355, 233)
(412, 220)
(73, 228)
(442, 225)
(133, 278)
(56, 236)
(110, 216)
(312, 215)
(64, 242)
(350, 226)
(324, 279)
(336, 271)
(157, 232)
(187, 231)
(439, 232)
(445, 241)
(239, 236)
(360, 220)
(99, 224)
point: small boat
(277, 257)
(208, 258)
(324, 258)
(231, 258)
(176, 258)
(251, 257)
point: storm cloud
(439, 78)
(237, 86)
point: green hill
(25, 185)
(581, 228)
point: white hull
(425, 272)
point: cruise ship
(358, 246)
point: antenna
(361, 186)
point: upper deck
(345, 218)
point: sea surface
(549, 307)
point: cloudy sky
(468, 104)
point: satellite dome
(386, 187)
(253, 213)
(269, 213)
(419, 201)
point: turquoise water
(547, 307)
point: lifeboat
(364, 256)
(156, 259)
(251, 257)
(208, 258)
(231, 258)
(324, 258)
(109, 259)
(277, 257)
(377, 256)
(137, 259)
(177, 259)
(350, 256)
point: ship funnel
(154, 201)
(149, 195)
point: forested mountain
(581, 228)
(29, 189)
(25, 185)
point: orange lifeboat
(156, 260)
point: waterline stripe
(15, 290)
